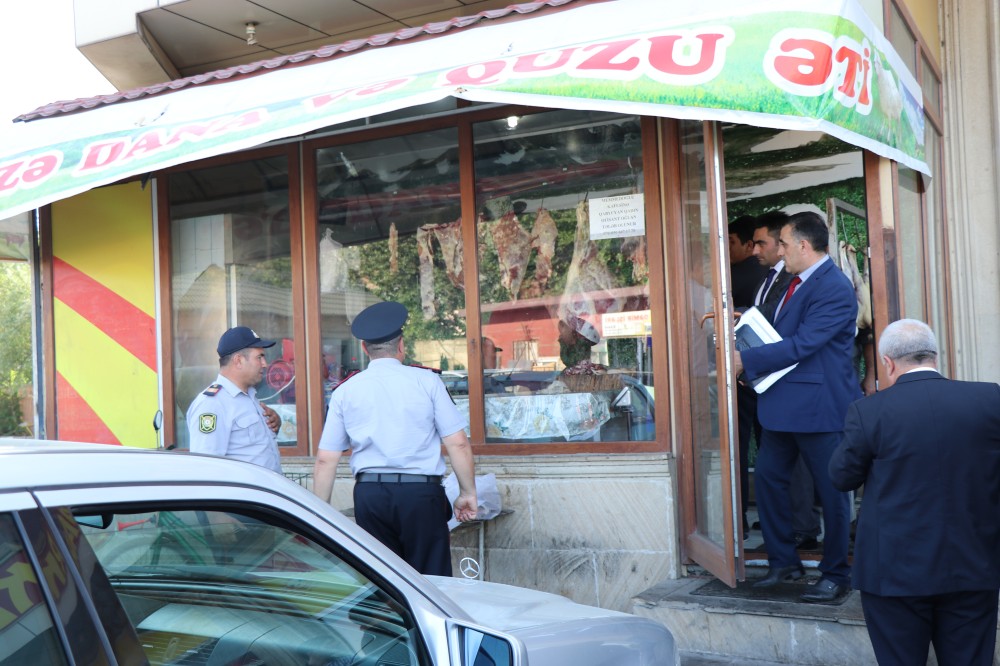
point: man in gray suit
(927, 549)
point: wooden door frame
(725, 562)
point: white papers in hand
(753, 330)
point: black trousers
(411, 519)
(962, 627)
(746, 410)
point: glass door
(708, 456)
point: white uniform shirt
(230, 423)
(392, 417)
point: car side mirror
(477, 646)
(101, 521)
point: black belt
(393, 477)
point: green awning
(786, 65)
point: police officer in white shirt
(394, 418)
(226, 419)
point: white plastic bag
(487, 495)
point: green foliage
(403, 285)
(15, 341)
(851, 229)
(276, 272)
(10, 412)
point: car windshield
(221, 587)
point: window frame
(464, 121)
(933, 223)
(353, 547)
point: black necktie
(767, 283)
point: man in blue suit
(803, 412)
(927, 556)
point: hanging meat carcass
(513, 246)
(543, 240)
(393, 249)
(862, 290)
(449, 237)
(634, 248)
(588, 280)
(426, 263)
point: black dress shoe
(777, 575)
(824, 591)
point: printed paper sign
(627, 324)
(617, 217)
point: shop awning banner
(820, 65)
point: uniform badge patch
(213, 389)
(206, 423)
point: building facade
(563, 254)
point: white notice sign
(617, 217)
(635, 324)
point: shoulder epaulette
(212, 390)
(346, 377)
(424, 367)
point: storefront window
(389, 228)
(563, 278)
(937, 262)
(910, 233)
(231, 266)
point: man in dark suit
(772, 288)
(927, 550)
(748, 273)
(803, 412)
(745, 270)
(766, 293)
(766, 236)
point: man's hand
(737, 363)
(271, 418)
(460, 454)
(466, 507)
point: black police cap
(239, 338)
(380, 322)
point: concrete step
(709, 620)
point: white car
(111, 555)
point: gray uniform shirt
(392, 417)
(225, 421)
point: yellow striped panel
(120, 389)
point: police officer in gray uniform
(226, 419)
(394, 418)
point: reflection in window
(902, 38)
(910, 233)
(231, 266)
(563, 278)
(390, 230)
(699, 335)
(795, 171)
(215, 586)
(937, 254)
(27, 635)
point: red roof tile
(304, 57)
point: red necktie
(791, 289)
